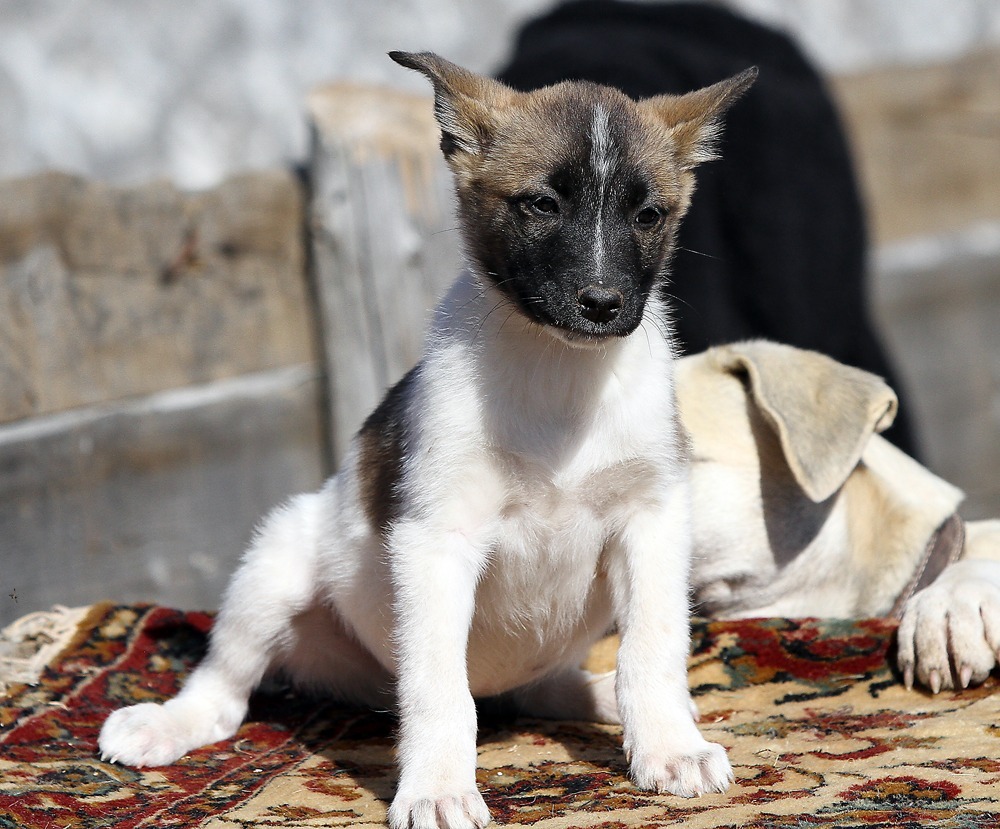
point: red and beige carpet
(819, 729)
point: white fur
(600, 161)
(544, 496)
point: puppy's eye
(544, 205)
(648, 216)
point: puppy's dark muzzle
(599, 304)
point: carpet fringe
(30, 643)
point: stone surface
(160, 385)
(110, 293)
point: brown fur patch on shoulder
(382, 442)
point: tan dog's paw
(459, 811)
(949, 636)
(692, 774)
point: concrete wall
(160, 386)
(152, 498)
(927, 143)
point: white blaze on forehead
(600, 144)
(600, 161)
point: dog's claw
(908, 677)
(459, 812)
(934, 680)
(965, 676)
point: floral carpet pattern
(819, 729)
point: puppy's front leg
(435, 574)
(649, 579)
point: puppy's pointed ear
(695, 119)
(465, 103)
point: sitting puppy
(518, 492)
(801, 509)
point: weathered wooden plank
(385, 243)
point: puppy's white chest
(542, 588)
(557, 524)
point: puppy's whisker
(542, 357)
(513, 311)
(692, 310)
(680, 301)
(485, 288)
(501, 303)
(645, 331)
(701, 253)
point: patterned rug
(819, 730)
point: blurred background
(196, 89)
(169, 191)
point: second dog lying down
(801, 509)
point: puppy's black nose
(599, 304)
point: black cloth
(775, 242)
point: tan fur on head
(571, 189)
(800, 507)
(824, 424)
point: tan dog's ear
(695, 119)
(823, 412)
(464, 102)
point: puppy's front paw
(142, 735)
(150, 734)
(466, 810)
(688, 774)
(949, 636)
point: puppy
(519, 491)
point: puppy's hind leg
(275, 582)
(571, 694)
